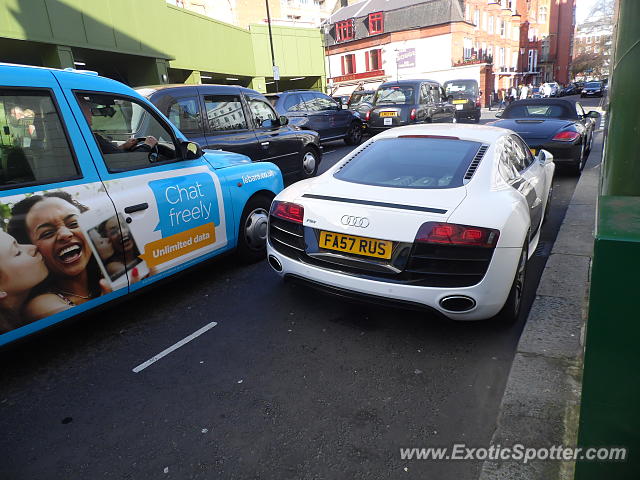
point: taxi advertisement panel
(62, 248)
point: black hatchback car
(240, 120)
(406, 102)
(592, 89)
(311, 110)
(465, 96)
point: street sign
(276, 72)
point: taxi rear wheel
(252, 237)
(309, 163)
(354, 134)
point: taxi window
(128, 135)
(225, 113)
(34, 147)
(185, 114)
(261, 111)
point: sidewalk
(541, 402)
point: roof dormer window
(345, 30)
(376, 23)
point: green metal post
(621, 175)
(610, 406)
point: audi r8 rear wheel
(252, 235)
(513, 306)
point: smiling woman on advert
(50, 222)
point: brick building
(500, 43)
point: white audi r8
(437, 216)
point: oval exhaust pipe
(457, 303)
(275, 263)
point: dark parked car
(465, 96)
(311, 110)
(407, 102)
(241, 120)
(592, 89)
(569, 90)
(558, 126)
(360, 102)
(341, 100)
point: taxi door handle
(136, 208)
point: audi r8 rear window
(411, 162)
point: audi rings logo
(361, 222)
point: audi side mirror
(190, 150)
(545, 157)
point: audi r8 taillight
(566, 136)
(453, 234)
(288, 211)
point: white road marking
(330, 151)
(173, 347)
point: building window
(484, 21)
(373, 60)
(376, 23)
(476, 18)
(348, 64)
(490, 24)
(542, 18)
(344, 30)
(467, 13)
(501, 57)
(502, 28)
(467, 49)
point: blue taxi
(100, 195)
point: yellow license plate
(459, 101)
(369, 247)
(533, 151)
(388, 114)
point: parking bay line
(173, 347)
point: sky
(582, 9)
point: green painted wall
(153, 28)
(296, 50)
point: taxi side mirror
(593, 114)
(190, 150)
